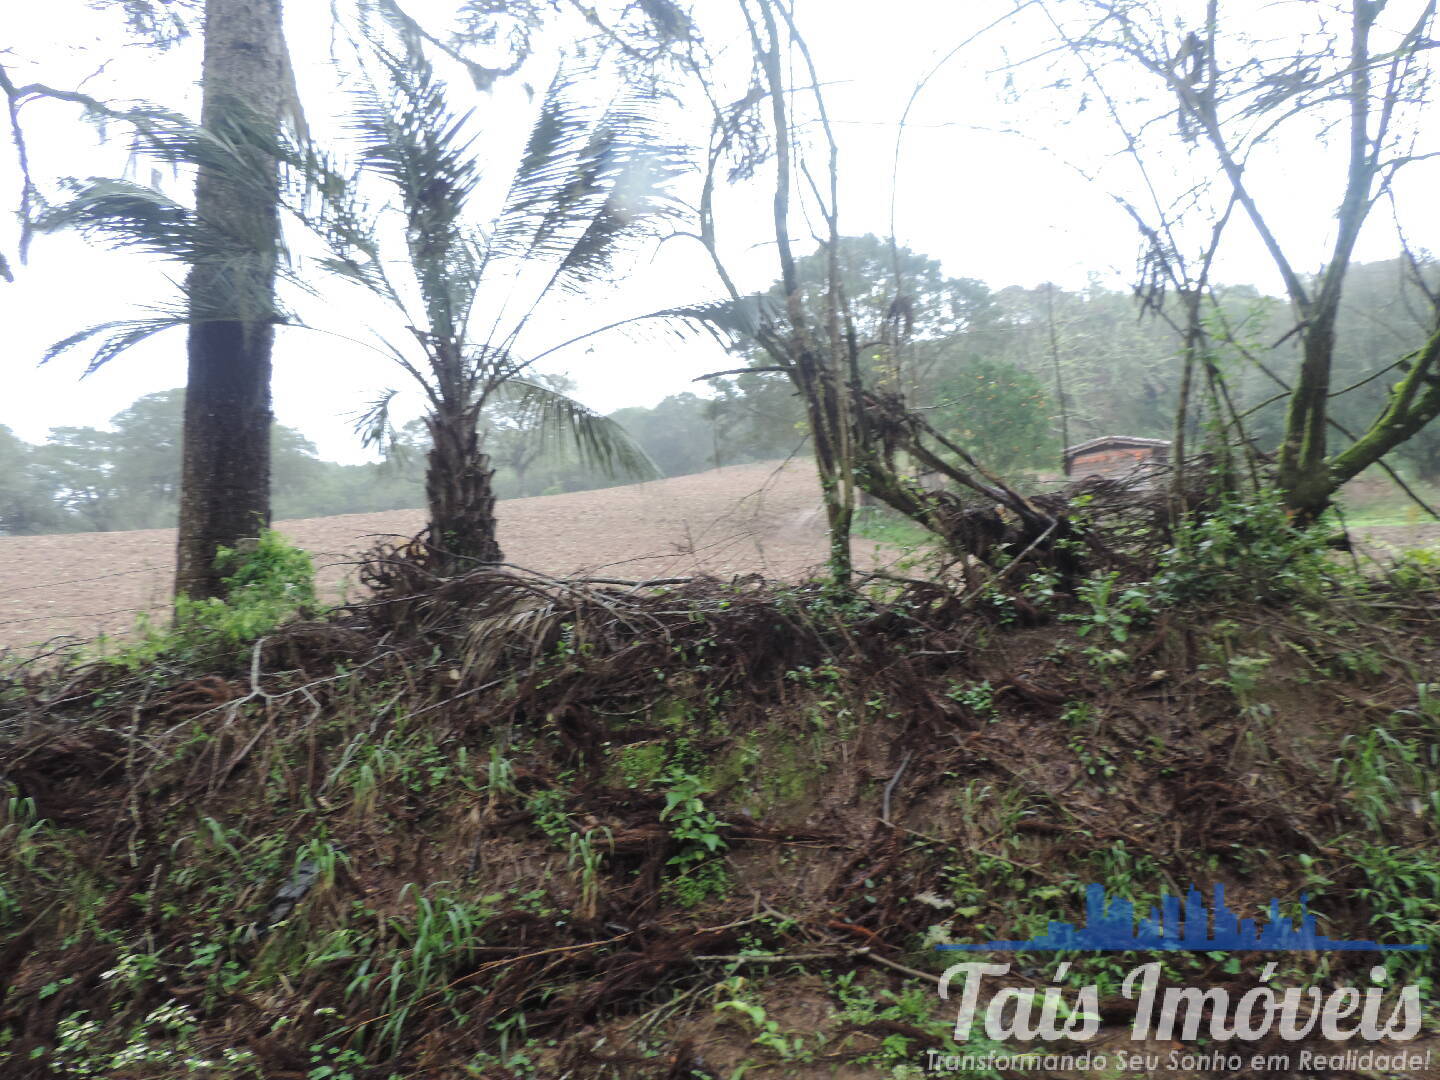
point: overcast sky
(988, 185)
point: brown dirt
(1385, 542)
(761, 518)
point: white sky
(987, 203)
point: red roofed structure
(1114, 455)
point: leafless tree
(1356, 70)
(865, 438)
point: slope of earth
(761, 518)
(520, 830)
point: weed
(1402, 886)
(22, 838)
(697, 832)
(1095, 763)
(641, 763)
(912, 1006)
(1112, 610)
(1417, 569)
(161, 1043)
(979, 699)
(766, 1032)
(1242, 678)
(1245, 548)
(587, 857)
(829, 712)
(499, 778)
(417, 959)
(333, 1063)
(324, 859)
(547, 807)
(1040, 588)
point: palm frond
(410, 136)
(734, 321)
(351, 269)
(730, 321)
(585, 182)
(349, 230)
(374, 426)
(325, 199)
(126, 215)
(635, 204)
(597, 439)
(236, 143)
(236, 270)
(117, 336)
(546, 169)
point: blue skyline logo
(1111, 926)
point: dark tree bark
(460, 494)
(225, 475)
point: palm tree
(588, 181)
(225, 471)
(229, 243)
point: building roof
(1115, 442)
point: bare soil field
(1386, 542)
(762, 518)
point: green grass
(885, 526)
(1384, 515)
(1393, 508)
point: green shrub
(1417, 569)
(1245, 548)
(699, 872)
(263, 589)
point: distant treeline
(127, 476)
(1002, 373)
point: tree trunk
(1413, 403)
(1303, 471)
(460, 495)
(1183, 420)
(225, 473)
(834, 461)
(1060, 398)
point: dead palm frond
(517, 620)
